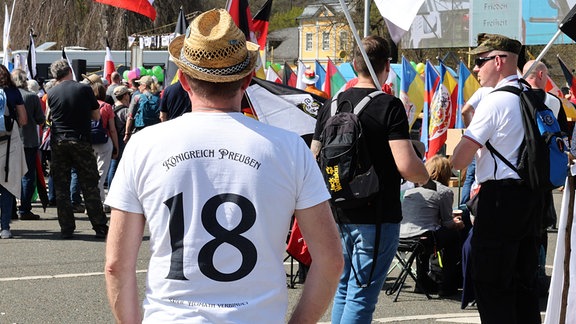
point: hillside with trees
(86, 23)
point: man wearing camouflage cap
(218, 191)
(504, 255)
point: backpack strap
(517, 91)
(493, 151)
(359, 107)
(364, 102)
(334, 105)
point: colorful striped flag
(289, 78)
(143, 7)
(321, 73)
(334, 80)
(467, 85)
(411, 91)
(569, 108)
(272, 76)
(431, 80)
(260, 23)
(240, 12)
(570, 80)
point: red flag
(289, 77)
(260, 23)
(240, 12)
(108, 64)
(143, 7)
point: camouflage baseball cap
(495, 42)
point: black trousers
(504, 256)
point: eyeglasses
(479, 61)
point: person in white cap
(218, 195)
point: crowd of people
(218, 216)
(77, 131)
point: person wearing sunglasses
(504, 255)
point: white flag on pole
(399, 15)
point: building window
(343, 40)
(325, 41)
(308, 41)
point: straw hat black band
(235, 69)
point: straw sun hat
(214, 49)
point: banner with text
(455, 23)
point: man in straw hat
(504, 255)
(218, 202)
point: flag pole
(359, 43)
(544, 51)
(367, 17)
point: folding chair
(408, 250)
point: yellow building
(323, 32)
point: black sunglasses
(479, 61)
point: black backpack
(543, 157)
(344, 159)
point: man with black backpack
(369, 222)
(504, 255)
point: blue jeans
(6, 205)
(354, 304)
(112, 171)
(75, 196)
(470, 174)
(28, 180)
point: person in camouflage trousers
(72, 106)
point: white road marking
(59, 276)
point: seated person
(427, 214)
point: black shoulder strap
(493, 151)
(359, 107)
(517, 91)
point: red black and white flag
(284, 107)
(143, 7)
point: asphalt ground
(44, 279)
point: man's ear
(183, 81)
(247, 81)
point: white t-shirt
(218, 191)
(498, 119)
(478, 95)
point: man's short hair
(377, 50)
(207, 89)
(59, 69)
(20, 79)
